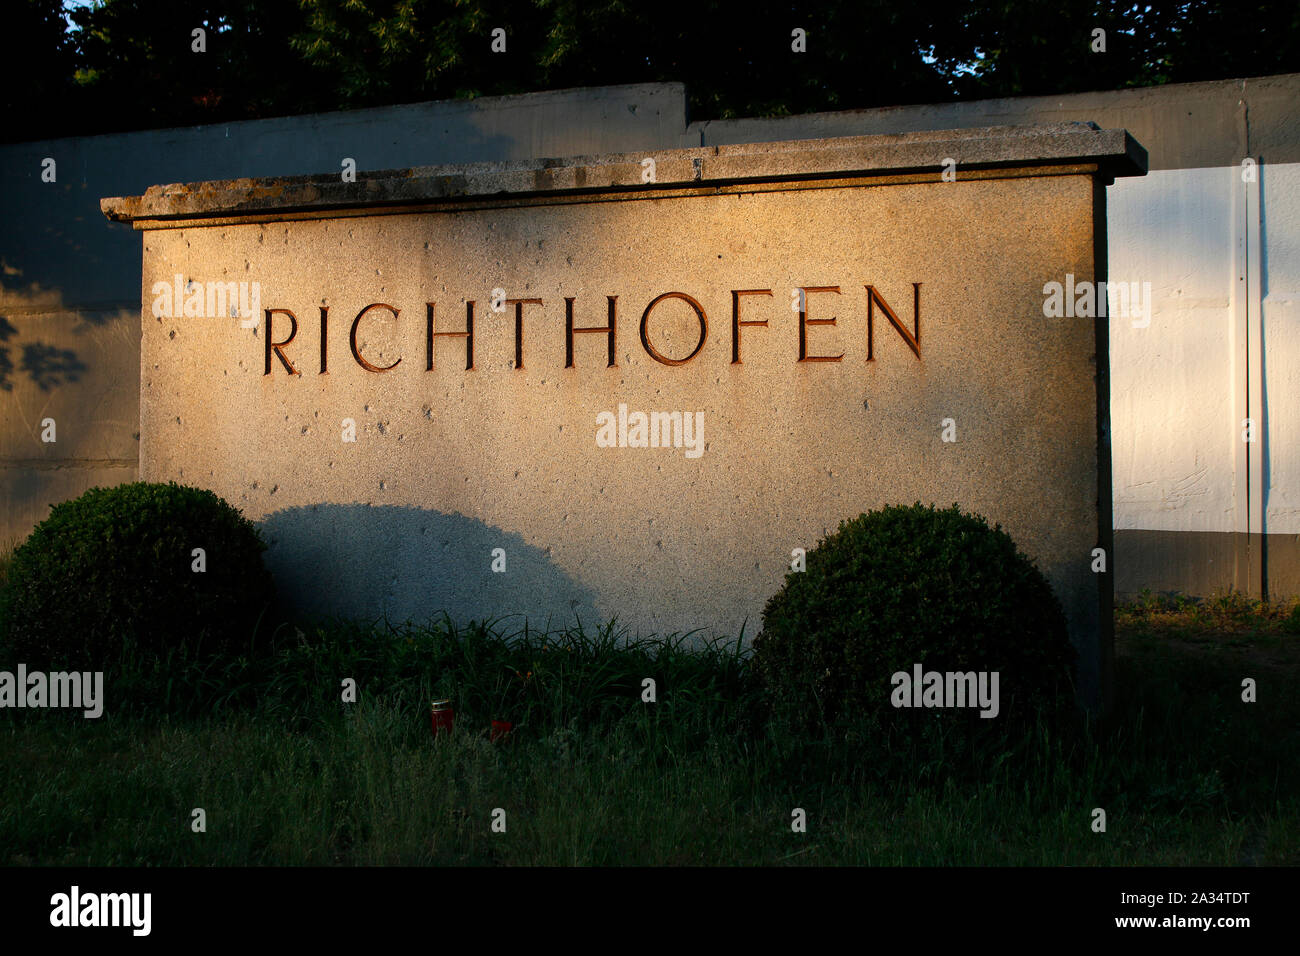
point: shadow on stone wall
(48, 366)
(410, 564)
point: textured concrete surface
(61, 378)
(451, 463)
(1202, 563)
(1182, 125)
(70, 280)
(1114, 152)
(60, 257)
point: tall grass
(534, 679)
(288, 773)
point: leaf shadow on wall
(7, 331)
(413, 564)
(50, 367)
(46, 365)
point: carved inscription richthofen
(356, 353)
(699, 313)
(874, 300)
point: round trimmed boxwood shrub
(107, 581)
(905, 586)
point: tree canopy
(132, 64)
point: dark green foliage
(129, 64)
(909, 585)
(106, 583)
(303, 779)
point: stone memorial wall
(632, 386)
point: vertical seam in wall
(1255, 380)
(1243, 321)
(1252, 309)
(1105, 652)
(140, 378)
(1239, 378)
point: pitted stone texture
(450, 464)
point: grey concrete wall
(1182, 126)
(70, 281)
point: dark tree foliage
(137, 66)
(128, 64)
(37, 61)
(1029, 48)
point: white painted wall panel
(1172, 428)
(1281, 311)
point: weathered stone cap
(1112, 152)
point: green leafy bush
(905, 586)
(107, 582)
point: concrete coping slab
(1108, 153)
